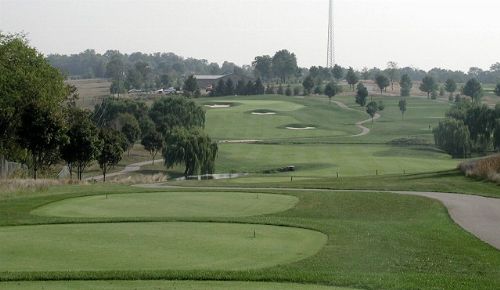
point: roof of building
(210, 77)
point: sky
(452, 34)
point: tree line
(40, 125)
(469, 128)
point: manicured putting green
(170, 204)
(153, 246)
(143, 285)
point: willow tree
(192, 148)
(453, 136)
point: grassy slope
(375, 241)
(327, 159)
(445, 181)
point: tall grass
(487, 168)
(11, 188)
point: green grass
(170, 204)
(334, 123)
(445, 181)
(375, 241)
(153, 246)
(328, 159)
(148, 285)
(237, 123)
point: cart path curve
(364, 130)
(128, 169)
(478, 215)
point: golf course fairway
(154, 246)
(143, 285)
(171, 204)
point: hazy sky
(452, 34)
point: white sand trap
(263, 114)
(302, 128)
(218, 106)
(240, 141)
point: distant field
(91, 91)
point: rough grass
(485, 168)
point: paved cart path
(364, 130)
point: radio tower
(331, 49)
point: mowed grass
(153, 246)
(158, 285)
(375, 241)
(328, 159)
(421, 117)
(238, 122)
(334, 124)
(170, 204)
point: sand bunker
(301, 128)
(263, 114)
(215, 106)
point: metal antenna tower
(330, 62)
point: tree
(220, 88)
(190, 85)
(190, 147)
(450, 86)
(153, 143)
(296, 91)
(352, 78)
(473, 89)
(284, 64)
(82, 146)
(308, 84)
(382, 82)
(288, 91)
(372, 109)
(453, 137)
(318, 90)
(406, 84)
(338, 72)
(41, 132)
(110, 149)
(428, 85)
(497, 90)
(229, 87)
(402, 108)
(259, 88)
(240, 88)
(270, 90)
(263, 67)
(168, 113)
(130, 130)
(250, 88)
(361, 95)
(26, 77)
(331, 90)
(280, 90)
(392, 71)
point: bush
(487, 168)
